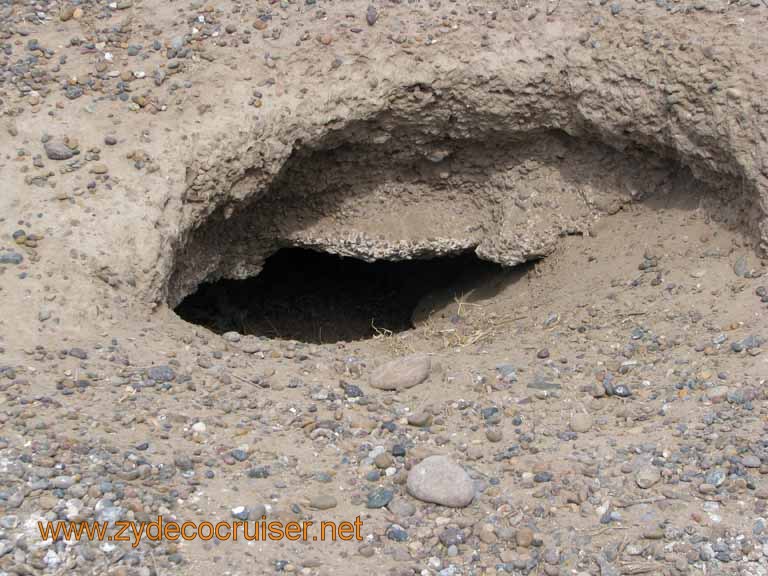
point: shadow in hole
(320, 298)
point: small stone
(622, 391)
(240, 512)
(506, 373)
(66, 13)
(741, 267)
(11, 258)
(199, 427)
(58, 150)
(383, 461)
(750, 461)
(373, 476)
(371, 15)
(379, 498)
(258, 472)
(647, 476)
(541, 477)
(401, 508)
(705, 488)
(352, 390)
(715, 477)
(78, 353)
(99, 169)
(420, 419)
(397, 533)
(110, 140)
(581, 422)
(73, 92)
(239, 454)
(323, 502)
(452, 536)
(542, 354)
(717, 394)
(161, 373)
(524, 537)
(494, 435)
(401, 373)
(439, 480)
(250, 344)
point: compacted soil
(552, 218)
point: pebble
(371, 15)
(58, 150)
(647, 476)
(323, 502)
(420, 419)
(439, 480)
(397, 533)
(161, 373)
(581, 422)
(524, 537)
(494, 435)
(750, 461)
(401, 373)
(11, 258)
(379, 498)
(741, 267)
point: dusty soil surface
(604, 401)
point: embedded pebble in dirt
(602, 409)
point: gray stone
(750, 461)
(379, 498)
(581, 422)
(741, 267)
(647, 476)
(371, 15)
(439, 480)
(401, 373)
(11, 258)
(58, 150)
(323, 502)
(161, 373)
(401, 508)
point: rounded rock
(401, 373)
(439, 480)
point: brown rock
(66, 13)
(524, 537)
(401, 373)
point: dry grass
(398, 344)
(476, 325)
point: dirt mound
(262, 260)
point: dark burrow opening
(321, 298)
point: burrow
(358, 229)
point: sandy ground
(607, 404)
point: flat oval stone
(439, 480)
(323, 502)
(401, 373)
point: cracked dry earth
(599, 407)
